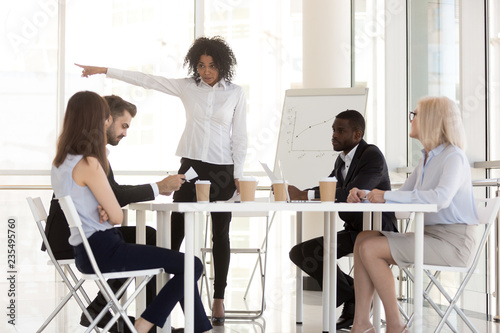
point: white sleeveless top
(83, 198)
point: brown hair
(83, 131)
(118, 105)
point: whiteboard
(304, 143)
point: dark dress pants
(308, 256)
(129, 236)
(113, 254)
(221, 189)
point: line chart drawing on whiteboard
(310, 133)
(305, 137)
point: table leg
(497, 271)
(377, 225)
(298, 275)
(163, 240)
(189, 272)
(419, 275)
(140, 238)
(326, 273)
(333, 272)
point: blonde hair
(439, 122)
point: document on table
(269, 173)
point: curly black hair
(217, 48)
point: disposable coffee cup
(327, 189)
(280, 189)
(202, 190)
(248, 185)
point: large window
(28, 64)
(494, 82)
(433, 55)
(266, 37)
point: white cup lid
(247, 179)
(328, 179)
(202, 182)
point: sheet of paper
(284, 180)
(269, 173)
(190, 174)
(236, 197)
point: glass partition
(434, 56)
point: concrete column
(326, 43)
(326, 35)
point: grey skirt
(444, 245)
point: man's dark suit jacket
(368, 170)
(57, 229)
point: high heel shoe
(405, 329)
(219, 321)
(369, 330)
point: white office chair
(261, 261)
(100, 278)
(63, 267)
(487, 211)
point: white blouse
(444, 180)
(215, 129)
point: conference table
(330, 210)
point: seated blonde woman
(442, 177)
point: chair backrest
(40, 215)
(487, 209)
(69, 210)
(37, 208)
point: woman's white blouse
(444, 180)
(215, 129)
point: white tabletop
(310, 206)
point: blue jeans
(113, 255)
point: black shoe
(178, 330)
(107, 317)
(219, 321)
(347, 317)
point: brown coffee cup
(280, 189)
(202, 190)
(327, 189)
(248, 185)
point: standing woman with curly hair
(214, 141)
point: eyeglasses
(412, 115)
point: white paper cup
(248, 185)
(202, 190)
(280, 189)
(327, 189)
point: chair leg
(452, 301)
(432, 282)
(205, 279)
(263, 245)
(73, 292)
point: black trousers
(308, 256)
(222, 188)
(129, 234)
(113, 254)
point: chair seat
(64, 262)
(124, 274)
(446, 268)
(236, 250)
